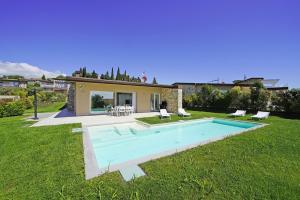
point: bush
(254, 99)
(259, 97)
(12, 109)
(288, 101)
(50, 97)
(27, 102)
(190, 101)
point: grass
(47, 163)
(43, 108)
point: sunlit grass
(47, 163)
(51, 107)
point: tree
(124, 76)
(107, 77)
(112, 75)
(43, 77)
(12, 77)
(94, 74)
(154, 81)
(259, 96)
(287, 101)
(102, 76)
(84, 72)
(118, 77)
(60, 76)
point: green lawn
(53, 107)
(47, 163)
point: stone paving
(92, 119)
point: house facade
(88, 96)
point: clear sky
(177, 41)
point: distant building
(51, 85)
(13, 83)
(270, 84)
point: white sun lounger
(238, 113)
(261, 115)
(164, 114)
(181, 112)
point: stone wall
(173, 97)
(71, 98)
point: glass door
(124, 99)
(155, 102)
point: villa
(89, 96)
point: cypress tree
(112, 76)
(118, 77)
(84, 72)
(107, 75)
(154, 81)
(124, 76)
(94, 74)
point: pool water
(116, 144)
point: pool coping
(93, 170)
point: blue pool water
(118, 144)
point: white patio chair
(121, 110)
(261, 115)
(181, 112)
(164, 114)
(238, 113)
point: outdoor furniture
(181, 112)
(128, 110)
(164, 114)
(111, 110)
(238, 113)
(121, 110)
(261, 115)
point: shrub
(190, 100)
(13, 91)
(50, 97)
(12, 109)
(259, 97)
(288, 101)
(27, 102)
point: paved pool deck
(91, 120)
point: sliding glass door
(155, 102)
(124, 99)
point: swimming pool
(114, 146)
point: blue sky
(183, 41)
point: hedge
(11, 109)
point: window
(155, 102)
(101, 101)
